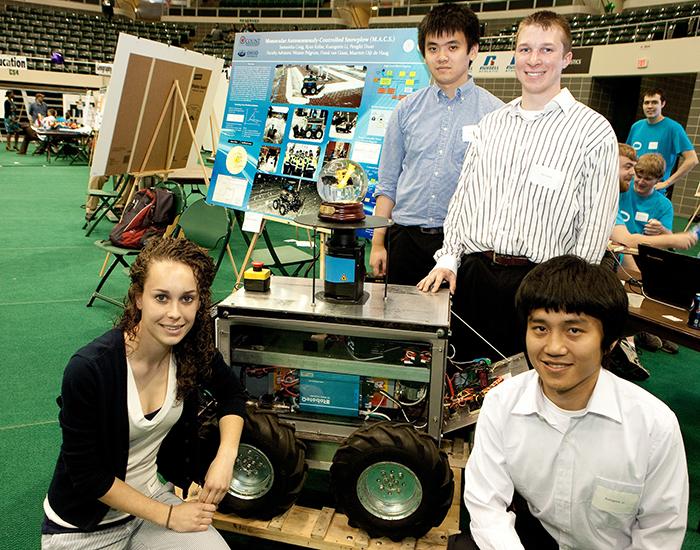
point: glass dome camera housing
(342, 185)
(342, 180)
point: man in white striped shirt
(539, 181)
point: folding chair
(120, 254)
(107, 202)
(208, 226)
(278, 257)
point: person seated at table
(623, 360)
(620, 234)
(646, 212)
(50, 122)
(596, 461)
(644, 209)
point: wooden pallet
(327, 529)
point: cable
(641, 287)
(454, 351)
(419, 400)
(350, 352)
(380, 415)
(631, 280)
(475, 332)
(450, 386)
(397, 402)
(375, 409)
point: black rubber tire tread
(287, 455)
(387, 441)
(283, 209)
(276, 204)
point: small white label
(615, 502)
(641, 217)
(366, 152)
(653, 145)
(546, 177)
(229, 190)
(672, 318)
(252, 222)
(468, 133)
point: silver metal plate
(403, 305)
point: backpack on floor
(148, 215)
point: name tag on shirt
(615, 501)
(468, 133)
(546, 177)
(641, 217)
(653, 145)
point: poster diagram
(299, 100)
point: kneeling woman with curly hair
(129, 403)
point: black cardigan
(95, 425)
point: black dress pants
(411, 251)
(485, 298)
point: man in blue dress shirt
(426, 139)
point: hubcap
(389, 490)
(253, 474)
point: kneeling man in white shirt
(599, 460)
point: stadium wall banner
(15, 63)
(299, 100)
(103, 69)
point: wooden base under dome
(341, 211)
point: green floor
(48, 269)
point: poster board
(217, 112)
(143, 74)
(300, 99)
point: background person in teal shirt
(659, 134)
(621, 234)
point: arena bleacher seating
(83, 38)
(627, 26)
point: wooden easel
(214, 128)
(175, 95)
